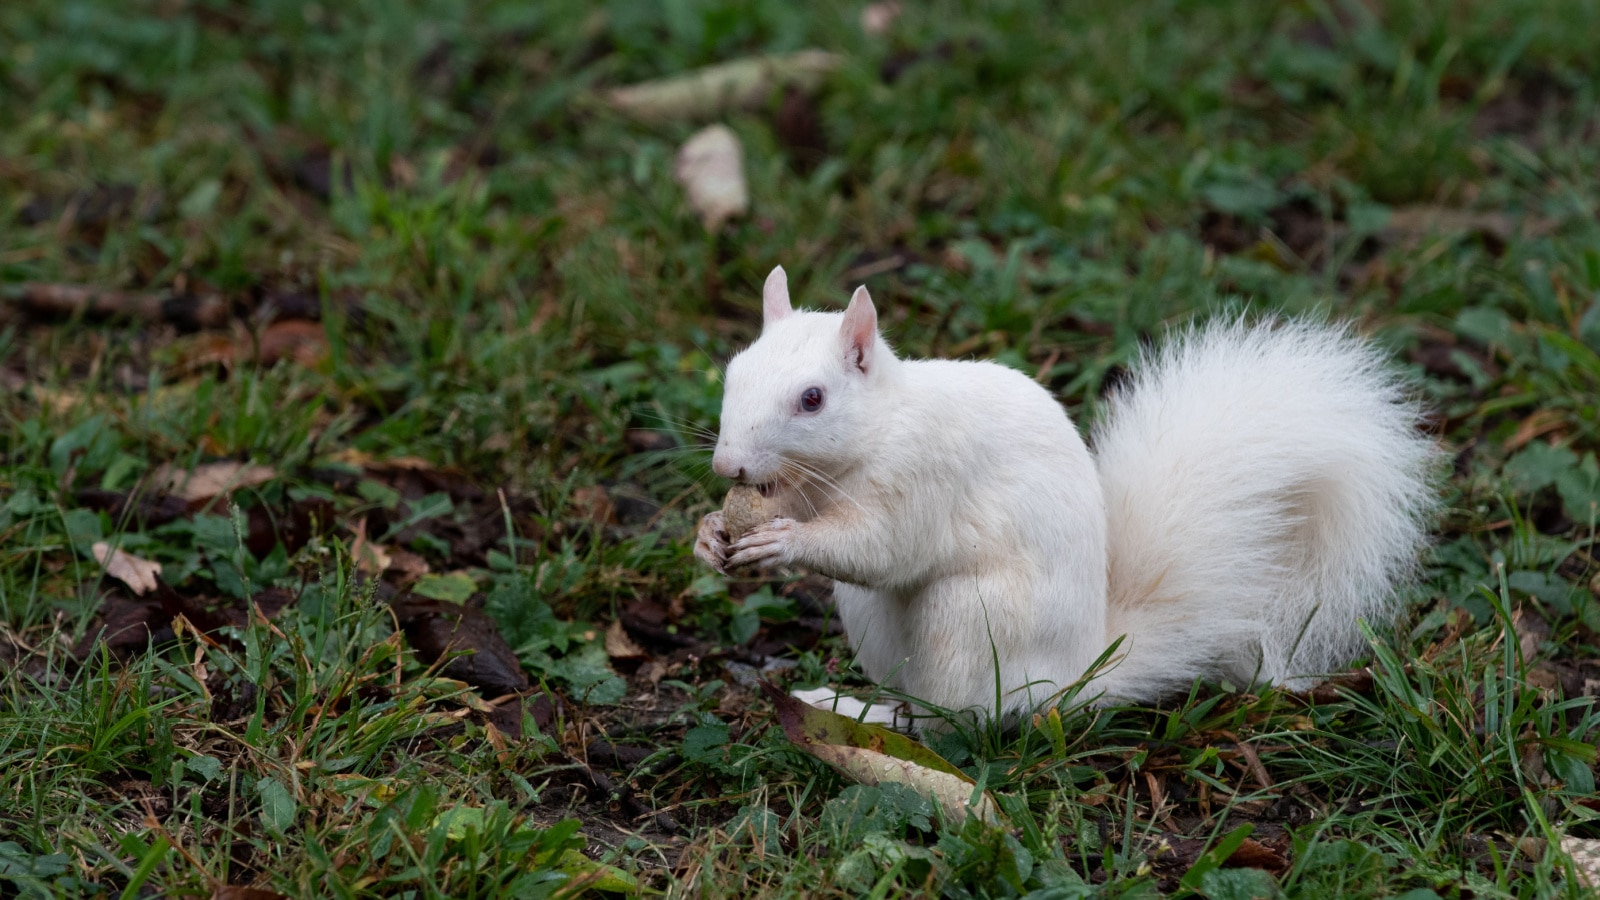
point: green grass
(518, 325)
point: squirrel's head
(800, 397)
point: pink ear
(860, 330)
(775, 297)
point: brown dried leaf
(371, 558)
(407, 565)
(741, 84)
(619, 645)
(876, 18)
(1422, 220)
(1531, 629)
(138, 574)
(710, 167)
(353, 457)
(211, 479)
(56, 400)
(508, 716)
(1253, 854)
(1332, 691)
(1542, 422)
(306, 343)
(436, 628)
(205, 350)
(125, 625)
(593, 504)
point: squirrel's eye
(811, 400)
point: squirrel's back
(1265, 486)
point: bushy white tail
(1266, 486)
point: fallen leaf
(125, 625)
(711, 91)
(303, 342)
(407, 565)
(710, 167)
(508, 717)
(211, 479)
(872, 756)
(1423, 220)
(1333, 690)
(293, 526)
(350, 456)
(205, 350)
(1531, 629)
(1540, 423)
(619, 645)
(594, 505)
(1177, 855)
(438, 628)
(877, 17)
(371, 558)
(55, 400)
(138, 574)
(1253, 854)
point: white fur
(1266, 487)
(1246, 479)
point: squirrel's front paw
(768, 544)
(711, 543)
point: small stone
(742, 510)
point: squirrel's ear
(860, 330)
(775, 297)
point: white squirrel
(1253, 492)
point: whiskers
(706, 439)
(691, 453)
(689, 436)
(796, 472)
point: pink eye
(811, 400)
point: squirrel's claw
(711, 543)
(769, 544)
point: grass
(465, 317)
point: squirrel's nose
(727, 468)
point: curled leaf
(138, 574)
(740, 84)
(370, 556)
(619, 645)
(711, 169)
(212, 479)
(876, 18)
(872, 756)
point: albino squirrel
(1253, 492)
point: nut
(742, 510)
